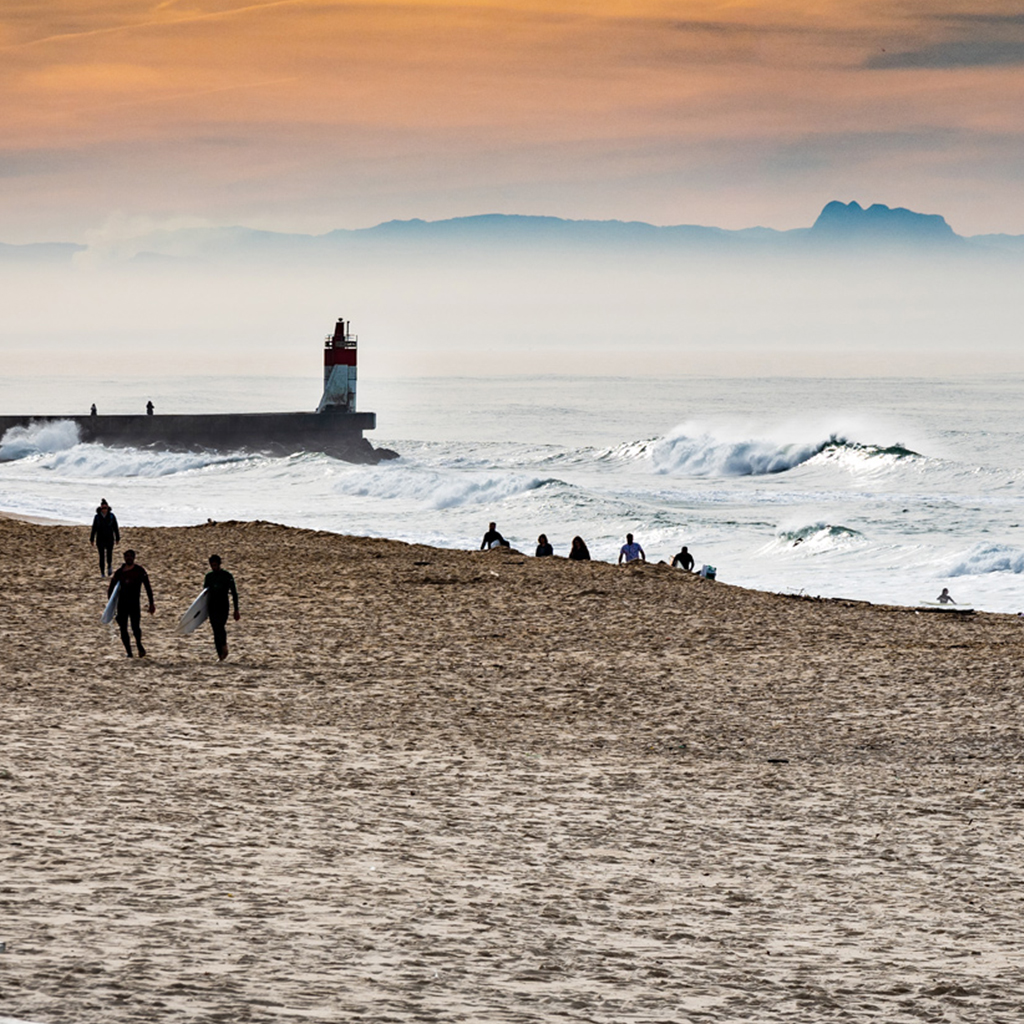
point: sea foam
(436, 489)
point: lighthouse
(335, 429)
(339, 370)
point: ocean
(885, 490)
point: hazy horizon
(482, 311)
(124, 121)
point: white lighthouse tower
(339, 370)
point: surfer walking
(220, 589)
(131, 578)
(104, 535)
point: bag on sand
(707, 572)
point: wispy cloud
(131, 25)
(967, 39)
(347, 111)
(954, 54)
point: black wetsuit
(544, 550)
(580, 553)
(104, 535)
(685, 559)
(220, 586)
(132, 579)
(490, 537)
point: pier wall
(337, 433)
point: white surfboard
(197, 614)
(111, 610)
(943, 606)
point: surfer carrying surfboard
(220, 586)
(132, 578)
(493, 539)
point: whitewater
(881, 490)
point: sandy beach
(436, 785)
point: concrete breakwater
(335, 433)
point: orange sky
(314, 114)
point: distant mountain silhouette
(840, 227)
(850, 222)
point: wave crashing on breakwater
(42, 438)
(56, 446)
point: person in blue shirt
(630, 552)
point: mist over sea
(881, 489)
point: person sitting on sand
(579, 551)
(944, 597)
(493, 539)
(544, 549)
(104, 535)
(684, 560)
(630, 551)
(220, 585)
(132, 578)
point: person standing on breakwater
(630, 551)
(544, 549)
(579, 552)
(684, 560)
(220, 585)
(149, 408)
(104, 535)
(132, 578)
(493, 539)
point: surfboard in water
(111, 610)
(195, 616)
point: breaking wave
(988, 558)
(38, 439)
(96, 460)
(686, 454)
(628, 451)
(816, 538)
